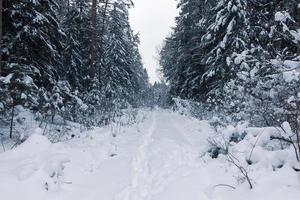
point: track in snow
(157, 159)
(164, 159)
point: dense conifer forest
(80, 119)
(58, 60)
(238, 57)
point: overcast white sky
(153, 19)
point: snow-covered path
(152, 160)
(158, 158)
(164, 164)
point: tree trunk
(103, 25)
(12, 121)
(94, 35)
(101, 45)
(1, 8)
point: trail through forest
(158, 158)
(150, 160)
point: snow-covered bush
(225, 137)
(198, 110)
(252, 148)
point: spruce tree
(32, 43)
(117, 84)
(180, 55)
(225, 39)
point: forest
(57, 60)
(80, 119)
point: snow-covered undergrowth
(56, 129)
(250, 153)
(26, 123)
(163, 156)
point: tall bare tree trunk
(102, 33)
(1, 8)
(12, 121)
(103, 24)
(94, 34)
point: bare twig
(3, 145)
(224, 185)
(44, 131)
(232, 159)
(255, 144)
(290, 141)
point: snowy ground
(160, 158)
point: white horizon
(153, 20)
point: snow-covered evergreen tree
(46, 50)
(260, 91)
(236, 54)
(225, 39)
(279, 77)
(123, 73)
(74, 25)
(31, 48)
(139, 78)
(180, 55)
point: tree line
(78, 59)
(237, 57)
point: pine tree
(76, 22)
(1, 8)
(32, 44)
(47, 59)
(278, 79)
(73, 54)
(117, 84)
(160, 94)
(189, 31)
(260, 91)
(224, 40)
(170, 69)
(139, 78)
(180, 55)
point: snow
(6, 79)
(292, 64)
(23, 96)
(291, 69)
(291, 75)
(282, 16)
(296, 35)
(161, 157)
